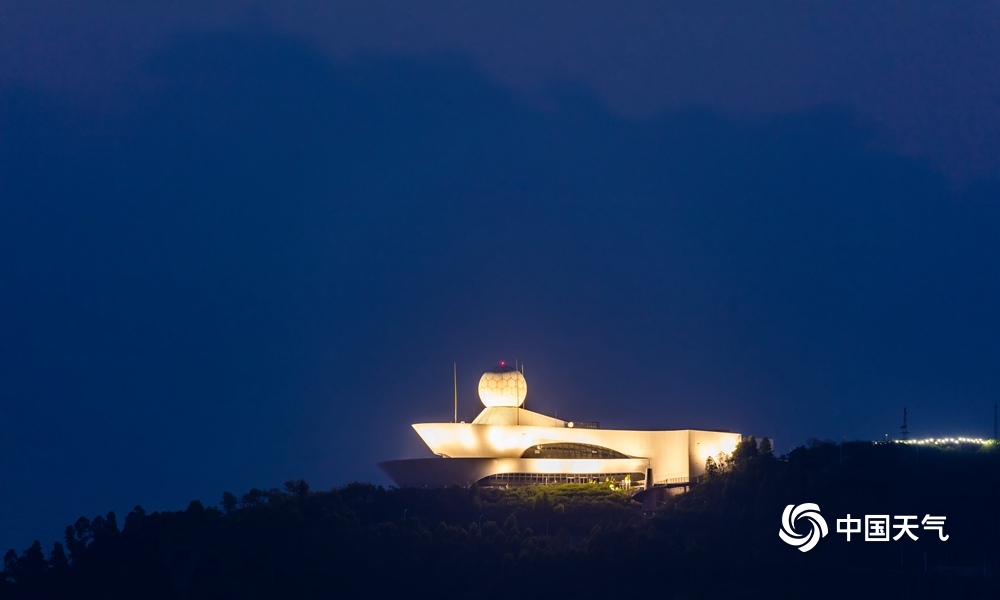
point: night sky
(241, 245)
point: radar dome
(503, 388)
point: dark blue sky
(239, 247)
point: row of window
(570, 450)
(501, 479)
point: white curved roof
(507, 415)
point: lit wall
(673, 455)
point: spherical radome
(502, 388)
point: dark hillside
(588, 540)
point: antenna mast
(904, 431)
(454, 374)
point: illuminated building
(508, 445)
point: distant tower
(995, 437)
(904, 432)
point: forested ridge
(721, 537)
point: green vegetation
(553, 541)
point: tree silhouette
(229, 502)
(77, 537)
(711, 467)
(765, 448)
(31, 564)
(57, 558)
(10, 564)
(745, 452)
(298, 488)
(253, 498)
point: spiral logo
(817, 524)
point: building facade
(508, 445)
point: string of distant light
(950, 440)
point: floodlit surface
(504, 388)
(500, 441)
